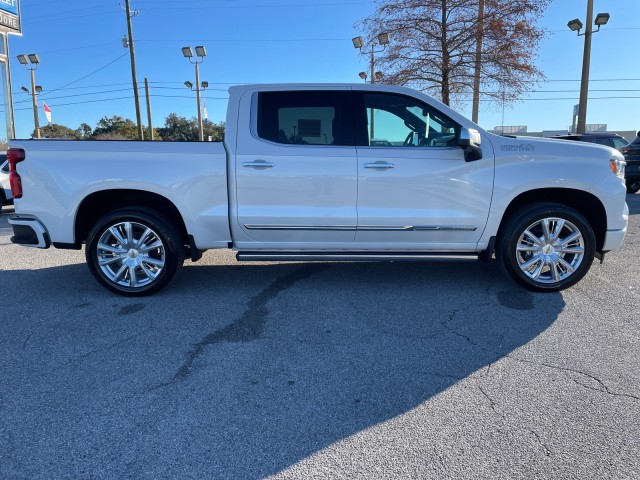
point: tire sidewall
(506, 251)
(174, 253)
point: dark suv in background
(632, 172)
(608, 139)
(631, 152)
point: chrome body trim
(302, 227)
(258, 164)
(368, 228)
(379, 165)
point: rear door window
(306, 118)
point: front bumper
(613, 238)
(29, 232)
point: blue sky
(85, 71)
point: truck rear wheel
(546, 247)
(134, 252)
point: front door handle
(258, 164)
(379, 165)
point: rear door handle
(258, 164)
(379, 165)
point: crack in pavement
(249, 325)
(603, 387)
(493, 405)
(452, 316)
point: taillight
(15, 156)
(624, 150)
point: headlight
(617, 167)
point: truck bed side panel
(58, 175)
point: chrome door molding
(302, 227)
(369, 228)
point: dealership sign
(10, 16)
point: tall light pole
(381, 39)
(26, 60)
(200, 53)
(134, 77)
(576, 25)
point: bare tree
(436, 45)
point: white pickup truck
(324, 173)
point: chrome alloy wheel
(131, 254)
(550, 250)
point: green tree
(56, 130)
(156, 134)
(215, 131)
(179, 129)
(182, 129)
(84, 131)
(115, 128)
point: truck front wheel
(546, 247)
(134, 252)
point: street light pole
(200, 129)
(36, 120)
(26, 60)
(576, 25)
(586, 63)
(382, 39)
(200, 53)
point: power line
(89, 74)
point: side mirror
(470, 140)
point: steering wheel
(409, 140)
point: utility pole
(134, 78)
(146, 89)
(476, 74)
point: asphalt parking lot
(318, 371)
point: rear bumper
(29, 232)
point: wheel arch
(583, 202)
(98, 204)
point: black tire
(141, 251)
(633, 186)
(548, 264)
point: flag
(206, 117)
(47, 112)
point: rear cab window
(306, 118)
